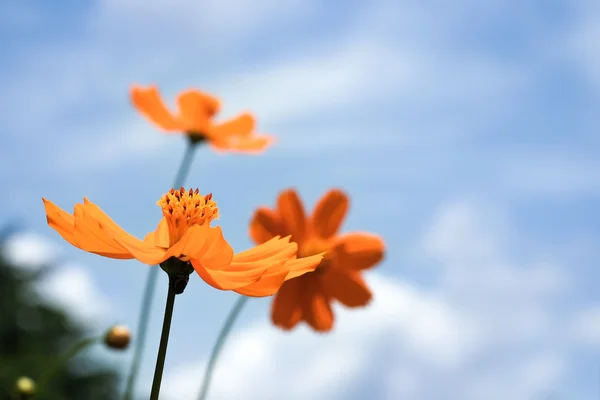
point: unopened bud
(25, 387)
(117, 337)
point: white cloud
(67, 285)
(328, 76)
(108, 148)
(550, 174)
(72, 287)
(262, 362)
(30, 250)
(487, 329)
(582, 43)
(586, 325)
(473, 246)
(458, 224)
(206, 19)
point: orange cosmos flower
(196, 111)
(309, 297)
(183, 242)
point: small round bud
(25, 387)
(117, 337)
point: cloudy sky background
(467, 134)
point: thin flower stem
(140, 337)
(62, 361)
(142, 329)
(184, 167)
(225, 330)
(164, 341)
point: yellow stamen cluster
(183, 209)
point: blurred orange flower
(196, 111)
(309, 297)
(184, 233)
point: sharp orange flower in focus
(183, 242)
(338, 277)
(195, 117)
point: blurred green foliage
(33, 336)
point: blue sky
(465, 133)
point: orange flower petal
(142, 251)
(254, 144)
(276, 248)
(316, 309)
(276, 253)
(348, 288)
(93, 239)
(83, 232)
(207, 246)
(242, 125)
(286, 310)
(275, 276)
(160, 237)
(196, 109)
(292, 214)
(265, 225)
(268, 284)
(202, 243)
(61, 221)
(191, 100)
(301, 266)
(96, 213)
(226, 279)
(329, 213)
(358, 251)
(148, 103)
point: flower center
(183, 209)
(313, 246)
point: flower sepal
(179, 273)
(195, 138)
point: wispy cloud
(583, 40)
(586, 325)
(346, 79)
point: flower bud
(117, 337)
(25, 387)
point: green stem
(140, 337)
(164, 341)
(62, 361)
(225, 330)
